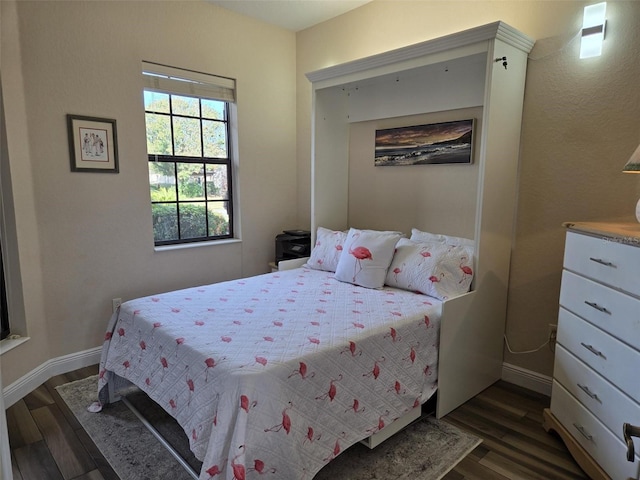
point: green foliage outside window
(181, 131)
(192, 222)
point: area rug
(426, 450)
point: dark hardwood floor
(47, 442)
(515, 446)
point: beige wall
(85, 238)
(580, 125)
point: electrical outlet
(115, 303)
(553, 333)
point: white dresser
(596, 378)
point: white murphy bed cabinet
(457, 71)
(596, 378)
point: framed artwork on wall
(93, 144)
(435, 143)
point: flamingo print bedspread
(275, 375)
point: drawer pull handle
(629, 431)
(593, 350)
(586, 390)
(597, 307)
(602, 262)
(584, 433)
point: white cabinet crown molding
(499, 30)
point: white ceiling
(293, 15)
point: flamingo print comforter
(275, 375)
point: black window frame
(204, 161)
(5, 329)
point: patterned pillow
(420, 236)
(435, 269)
(327, 249)
(366, 256)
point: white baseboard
(56, 366)
(527, 379)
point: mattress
(278, 373)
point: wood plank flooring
(515, 446)
(47, 442)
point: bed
(315, 372)
(279, 373)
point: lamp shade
(633, 165)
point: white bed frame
(471, 338)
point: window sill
(181, 246)
(11, 343)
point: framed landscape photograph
(93, 144)
(435, 143)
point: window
(4, 313)
(188, 116)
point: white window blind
(167, 79)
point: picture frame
(93, 144)
(429, 144)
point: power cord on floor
(548, 342)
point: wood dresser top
(627, 232)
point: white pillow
(327, 249)
(420, 236)
(366, 256)
(435, 269)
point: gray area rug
(426, 450)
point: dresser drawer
(603, 260)
(608, 309)
(612, 407)
(611, 358)
(600, 443)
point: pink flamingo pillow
(436, 269)
(365, 257)
(327, 249)
(421, 236)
